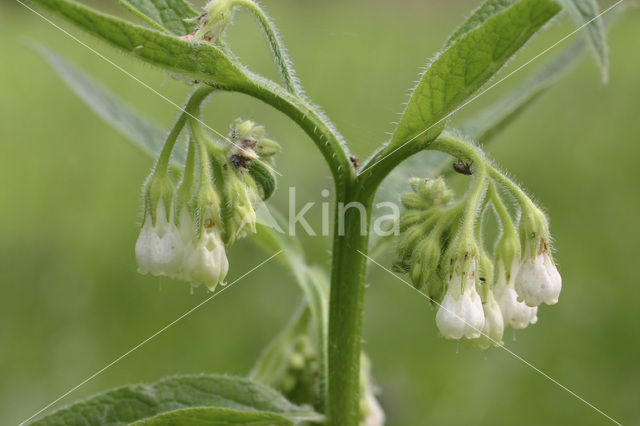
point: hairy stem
(193, 104)
(345, 310)
(277, 48)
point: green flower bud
(412, 217)
(239, 215)
(406, 245)
(213, 21)
(411, 200)
(426, 258)
(433, 191)
(267, 148)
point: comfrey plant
(196, 205)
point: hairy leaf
(130, 123)
(479, 16)
(584, 11)
(210, 416)
(168, 15)
(131, 403)
(466, 65)
(200, 61)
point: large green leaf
(168, 15)
(200, 61)
(210, 416)
(130, 123)
(584, 11)
(131, 403)
(466, 65)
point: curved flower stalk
(187, 230)
(472, 303)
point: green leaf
(169, 15)
(584, 11)
(143, 133)
(478, 17)
(496, 117)
(200, 61)
(466, 65)
(209, 416)
(131, 403)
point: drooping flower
(538, 280)
(493, 328)
(159, 248)
(516, 314)
(205, 257)
(460, 313)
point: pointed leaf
(478, 17)
(200, 61)
(466, 65)
(142, 132)
(584, 11)
(128, 404)
(166, 15)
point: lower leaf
(127, 404)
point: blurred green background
(71, 300)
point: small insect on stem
(354, 161)
(462, 167)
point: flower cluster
(187, 228)
(441, 248)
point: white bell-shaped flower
(493, 328)
(159, 248)
(538, 280)
(205, 259)
(460, 313)
(515, 313)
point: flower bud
(266, 148)
(213, 21)
(240, 216)
(461, 313)
(432, 191)
(411, 200)
(406, 245)
(426, 258)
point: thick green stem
(346, 308)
